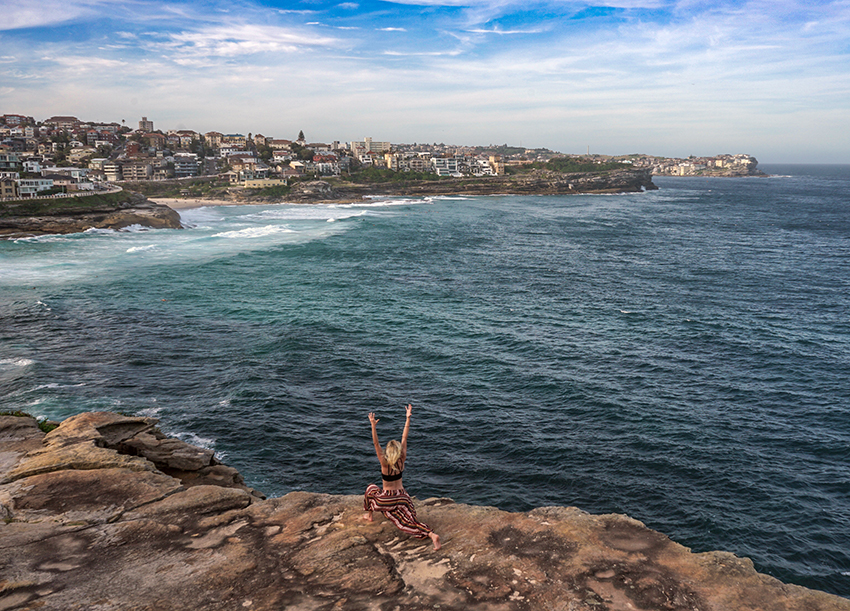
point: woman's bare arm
(406, 431)
(378, 451)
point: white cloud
(245, 39)
(496, 30)
(19, 14)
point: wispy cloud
(244, 39)
(19, 14)
(550, 73)
(497, 30)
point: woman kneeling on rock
(393, 501)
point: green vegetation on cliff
(568, 165)
(203, 186)
(44, 425)
(63, 205)
(381, 175)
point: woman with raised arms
(393, 501)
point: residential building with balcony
(30, 187)
(112, 170)
(8, 188)
(236, 139)
(213, 139)
(137, 170)
(185, 165)
(446, 166)
(9, 161)
(367, 145)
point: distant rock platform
(536, 182)
(137, 210)
(106, 512)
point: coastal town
(64, 155)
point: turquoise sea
(681, 356)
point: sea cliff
(349, 190)
(35, 217)
(106, 512)
(536, 182)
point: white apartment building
(367, 145)
(446, 166)
(29, 187)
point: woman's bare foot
(367, 516)
(436, 539)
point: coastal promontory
(112, 210)
(107, 512)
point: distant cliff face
(105, 512)
(537, 182)
(137, 210)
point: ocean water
(681, 356)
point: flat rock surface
(138, 211)
(114, 538)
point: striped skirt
(398, 507)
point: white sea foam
(382, 203)
(147, 248)
(54, 386)
(17, 362)
(308, 213)
(196, 440)
(194, 216)
(254, 232)
(135, 229)
(150, 412)
(41, 238)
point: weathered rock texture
(92, 521)
(137, 211)
(537, 182)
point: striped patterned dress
(398, 507)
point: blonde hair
(393, 456)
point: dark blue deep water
(681, 356)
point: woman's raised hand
(372, 418)
(409, 410)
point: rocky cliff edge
(105, 512)
(135, 210)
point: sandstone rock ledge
(536, 182)
(138, 210)
(105, 512)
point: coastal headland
(33, 217)
(106, 512)
(536, 182)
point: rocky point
(106, 512)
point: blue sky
(675, 78)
